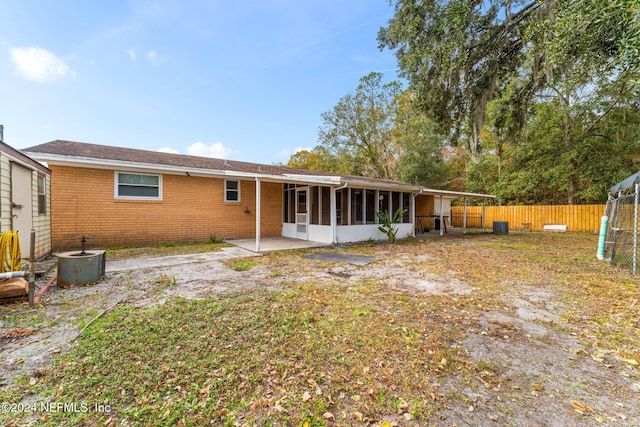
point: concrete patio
(275, 244)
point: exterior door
(22, 206)
(302, 214)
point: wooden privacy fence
(575, 217)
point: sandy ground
(545, 375)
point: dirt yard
(552, 334)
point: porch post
(464, 215)
(348, 206)
(333, 214)
(635, 228)
(412, 212)
(258, 214)
(484, 213)
(441, 216)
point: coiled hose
(10, 257)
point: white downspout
(258, 190)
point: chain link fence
(621, 245)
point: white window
(42, 195)
(231, 190)
(138, 186)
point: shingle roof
(105, 152)
(73, 149)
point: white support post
(258, 189)
(349, 206)
(333, 214)
(484, 213)
(441, 216)
(464, 215)
(635, 230)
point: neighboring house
(121, 197)
(25, 200)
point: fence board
(575, 217)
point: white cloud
(40, 65)
(168, 150)
(217, 150)
(152, 56)
(132, 54)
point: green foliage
(535, 102)
(214, 239)
(420, 146)
(356, 132)
(455, 54)
(243, 264)
(388, 221)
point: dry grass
(346, 350)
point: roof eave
(122, 165)
(455, 194)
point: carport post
(257, 214)
(484, 212)
(441, 217)
(635, 230)
(464, 215)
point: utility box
(500, 227)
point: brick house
(124, 197)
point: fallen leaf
(306, 396)
(328, 416)
(33, 381)
(358, 416)
(579, 406)
(632, 362)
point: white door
(22, 206)
(302, 214)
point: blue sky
(244, 80)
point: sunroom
(344, 213)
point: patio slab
(341, 257)
(275, 244)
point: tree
(419, 144)
(531, 86)
(455, 53)
(312, 160)
(357, 130)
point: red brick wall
(191, 209)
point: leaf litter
(524, 329)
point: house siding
(40, 223)
(192, 209)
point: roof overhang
(23, 159)
(455, 194)
(328, 180)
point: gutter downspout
(258, 190)
(334, 213)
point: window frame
(226, 190)
(116, 187)
(42, 196)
